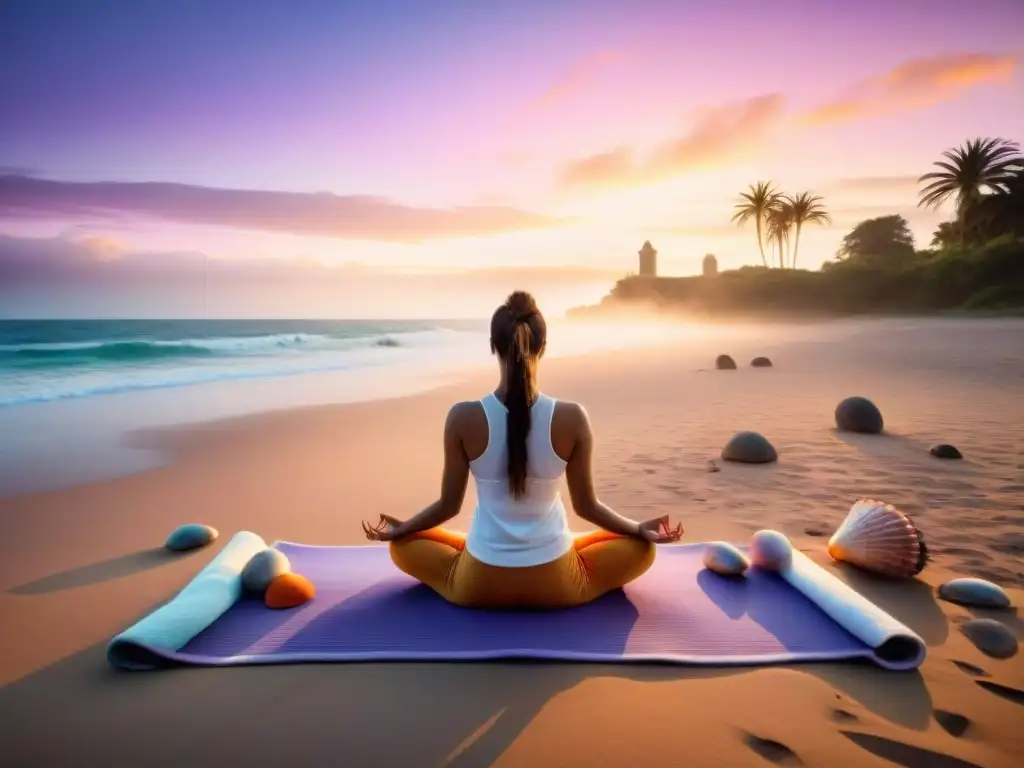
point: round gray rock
(991, 638)
(761, 362)
(946, 451)
(265, 566)
(725, 363)
(190, 536)
(749, 448)
(974, 592)
(858, 414)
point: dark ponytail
(518, 337)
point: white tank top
(532, 529)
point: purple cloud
(321, 213)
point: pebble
(991, 638)
(749, 448)
(858, 414)
(974, 592)
(946, 451)
(190, 536)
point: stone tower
(710, 266)
(648, 260)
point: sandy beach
(81, 564)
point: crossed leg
(610, 561)
(430, 556)
(599, 562)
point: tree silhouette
(755, 204)
(968, 172)
(883, 238)
(947, 235)
(806, 208)
(779, 223)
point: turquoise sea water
(73, 392)
(61, 359)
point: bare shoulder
(467, 423)
(569, 424)
(466, 414)
(569, 414)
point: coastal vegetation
(974, 262)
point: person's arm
(454, 479)
(580, 477)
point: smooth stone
(771, 550)
(761, 362)
(991, 638)
(190, 536)
(858, 414)
(946, 451)
(974, 592)
(724, 559)
(749, 448)
(289, 590)
(263, 568)
(725, 363)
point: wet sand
(79, 565)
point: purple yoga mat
(366, 610)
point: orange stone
(289, 590)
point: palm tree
(755, 205)
(779, 223)
(805, 209)
(969, 171)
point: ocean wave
(139, 351)
(45, 372)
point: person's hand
(657, 531)
(383, 530)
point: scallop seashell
(879, 538)
(724, 559)
(771, 550)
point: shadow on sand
(911, 601)
(451, 714)
(884, 445)
(462, 714)
(904, 754)
(106, 570)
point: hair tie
(521, 317)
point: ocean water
(44, 361)
(73, 392)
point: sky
(403, 157)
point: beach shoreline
(88, 438)
(83, 563)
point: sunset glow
(393, 146)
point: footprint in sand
(1010, 694)
(970, 669)
(905, 754)
(772, 751)
(954, 724)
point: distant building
(710, 265)
(648, 260)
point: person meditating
(518, 444)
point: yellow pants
(597, 563)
